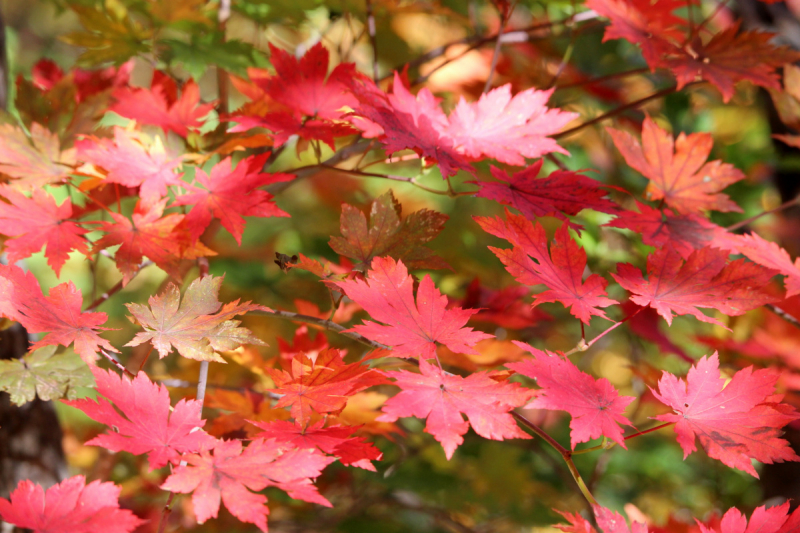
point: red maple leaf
(608, 520)
(728, 57)
(149, 234)
(335, 440)
(314, 102)
(129, 162)
(231, 193)
(595, 405)
(561, 193)
(735, 423)
(704, 280)
(412, 329)
(503, 307)
(226, 472)
(763, 520)
(71, 505)
(407, 122)
(161, 106)
(139, 412)
(442, 398)
(321, 385)
(560, 268)
(506, 128)
(58, 314)
(768, 254)
(37, 221)
(677, 169)
(661, 228)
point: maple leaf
(705, 280)
(71, 505)
(37, 221)
(641, 22)
(442, 398)
(130, 162)
(36, 161)
(321, 385)
(387, 235)
(560, 268)
(767, 254)
(301, 87)
(226, 472)
(728, 57)
(661, 228)
(150, 234)
(561, 193)
(608, 520)
(507, 128)
(503, 307)
(407, 122)
(143, 422)
(412, 329)
(763, 520)
(677, 169)
(58, 314)
(734, 423)
(161, 106)
(241, 408)
(334, 440)
(197, 326)
(595, 405)
(231, 193)
(45, 375)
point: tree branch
(324, 324)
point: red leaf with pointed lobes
(197, 325)
(131, 163)
(70, 506)
(230, 194)
(767, 254)
(507, 128)
(595, 405)
(37, 221)
(728, 57)
(503, 307)
(226, 472)
(150, 234)
(321, 385)
(58, 315)
(560, 268)
(161, 106)
(412, 329)
(661, 228)
(609, 522)
(677, 169)
(763, 520)
(735, 423)
(705, 280)
(442, 398)
(334, 440)
(305, 90)
(139, 412)
(387, 235)
(561, 193)
(407, 122)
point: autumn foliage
(574, 236)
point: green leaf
(43, 374)
(209, 49)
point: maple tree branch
(372, 40)
(497, 45)
(113, 290)
(601, 79)
(565, 454)
(616, 111)
(117, 364)
(783, 314)
(784, 205)
(413, 181)
(322, 323)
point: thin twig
(117, 364)
(784, 205)
(324, 324)
(373, 40)
(783, 314)
(601, 79)
(497, 45)
(608, 445)
(616, 111)
(165, 513)
(114, 290)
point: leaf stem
(497, 45)
(113, 290)
(784, 205)
(616, 111)
(162, 523)
(565, 454)
(609, 445)
(322, 323)
(413, 181)
(117, 364)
